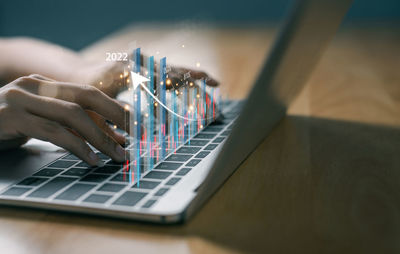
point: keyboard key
(197, 142)
(75, 191)
(111, 187)
(121, 178)
(97, 198)
(220, 123)
(147, 160)
(192, 163)
(48, 172)
(161, 192)
(173, 181)
(212, 129)
(205, 136)
(149, 203)
(210, 147)
(183, 171)
(107, 169)
(15, 191)
(179, 157)
(32, 181)
(94, 178)
(218, 140)
(202, 154)
(83, 164)
(71, 157)
(225, 133)
(146, 185)
(169, 165)
(188, 149)
(51, 187)
(157, 174)
(62, 164)
(130, 198)
(77, 171)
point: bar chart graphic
(163, 116)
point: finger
(53, 132)
(13, 143)
(73, 116)
(86, 96)
(41, 77)
(202, 75)
(114, 134)
(101, 122)
(93, 99)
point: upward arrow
(137, 79)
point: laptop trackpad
(19, 163)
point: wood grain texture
(325, 181)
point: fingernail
(94, 159)
(100, 163)
(121, 152)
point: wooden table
(327, 179)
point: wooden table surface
(327, 179)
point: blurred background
(76, 24)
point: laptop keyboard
(69, 179)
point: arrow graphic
(139, 80)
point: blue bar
(150, 128)
(195, 116)
(189, 127)
(163, 74)
(138, 114)
(211, 104)
(171, 146)
(190, 102)
(203, 103)
(174, 118)
(184, 111)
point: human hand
(38, 107)
(109, 77)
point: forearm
(23, 56)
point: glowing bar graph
(180, 114)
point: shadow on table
(314, 185)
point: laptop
(41, 175)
